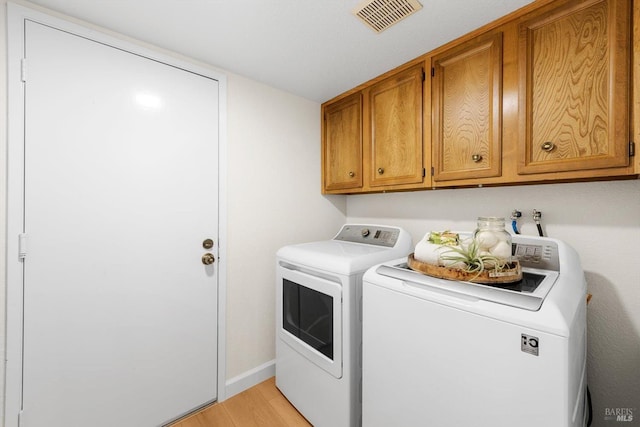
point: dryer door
(310, 317)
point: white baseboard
(248, 379)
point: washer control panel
(543, 256)
(369, 234)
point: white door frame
(16, 16)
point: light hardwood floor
(262, 405)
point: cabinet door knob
(380, 171)
(548, 146)
(476, 158)
(351, 174)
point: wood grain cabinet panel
(467, 110)
(342, 144)
(395, 108)
(574, 87)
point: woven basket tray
(508, 275)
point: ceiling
(316, 49)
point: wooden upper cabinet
(342, 144)
(395, 118)
(545, 94)
(467, 110)
(574, 87)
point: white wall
(273, 199)
(600, 220)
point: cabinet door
(342, 144)
(467, 110)
(396, 129)
(574, 87)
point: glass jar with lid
(492, 238)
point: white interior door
(121, 190)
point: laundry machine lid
(528, 293)
(353, 250)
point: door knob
(207, 243)
(476, 158)
(208, 259)
(380, 171)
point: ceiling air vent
(381, 14)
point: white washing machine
(319, 319)
(449, 354)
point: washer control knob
(365, 232)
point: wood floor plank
(261, 406)
(268, 389)
(280, 404)
(251, 409)
(195, 421)
(216, 416)
(288, 413)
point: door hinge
(424, 172)
(433, 71)
(23, 69)
(432, 171)
(424, 76)
(632, 148)
(22, 246)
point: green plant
(469, 258)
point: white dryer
(319, 319)
(449, 354)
